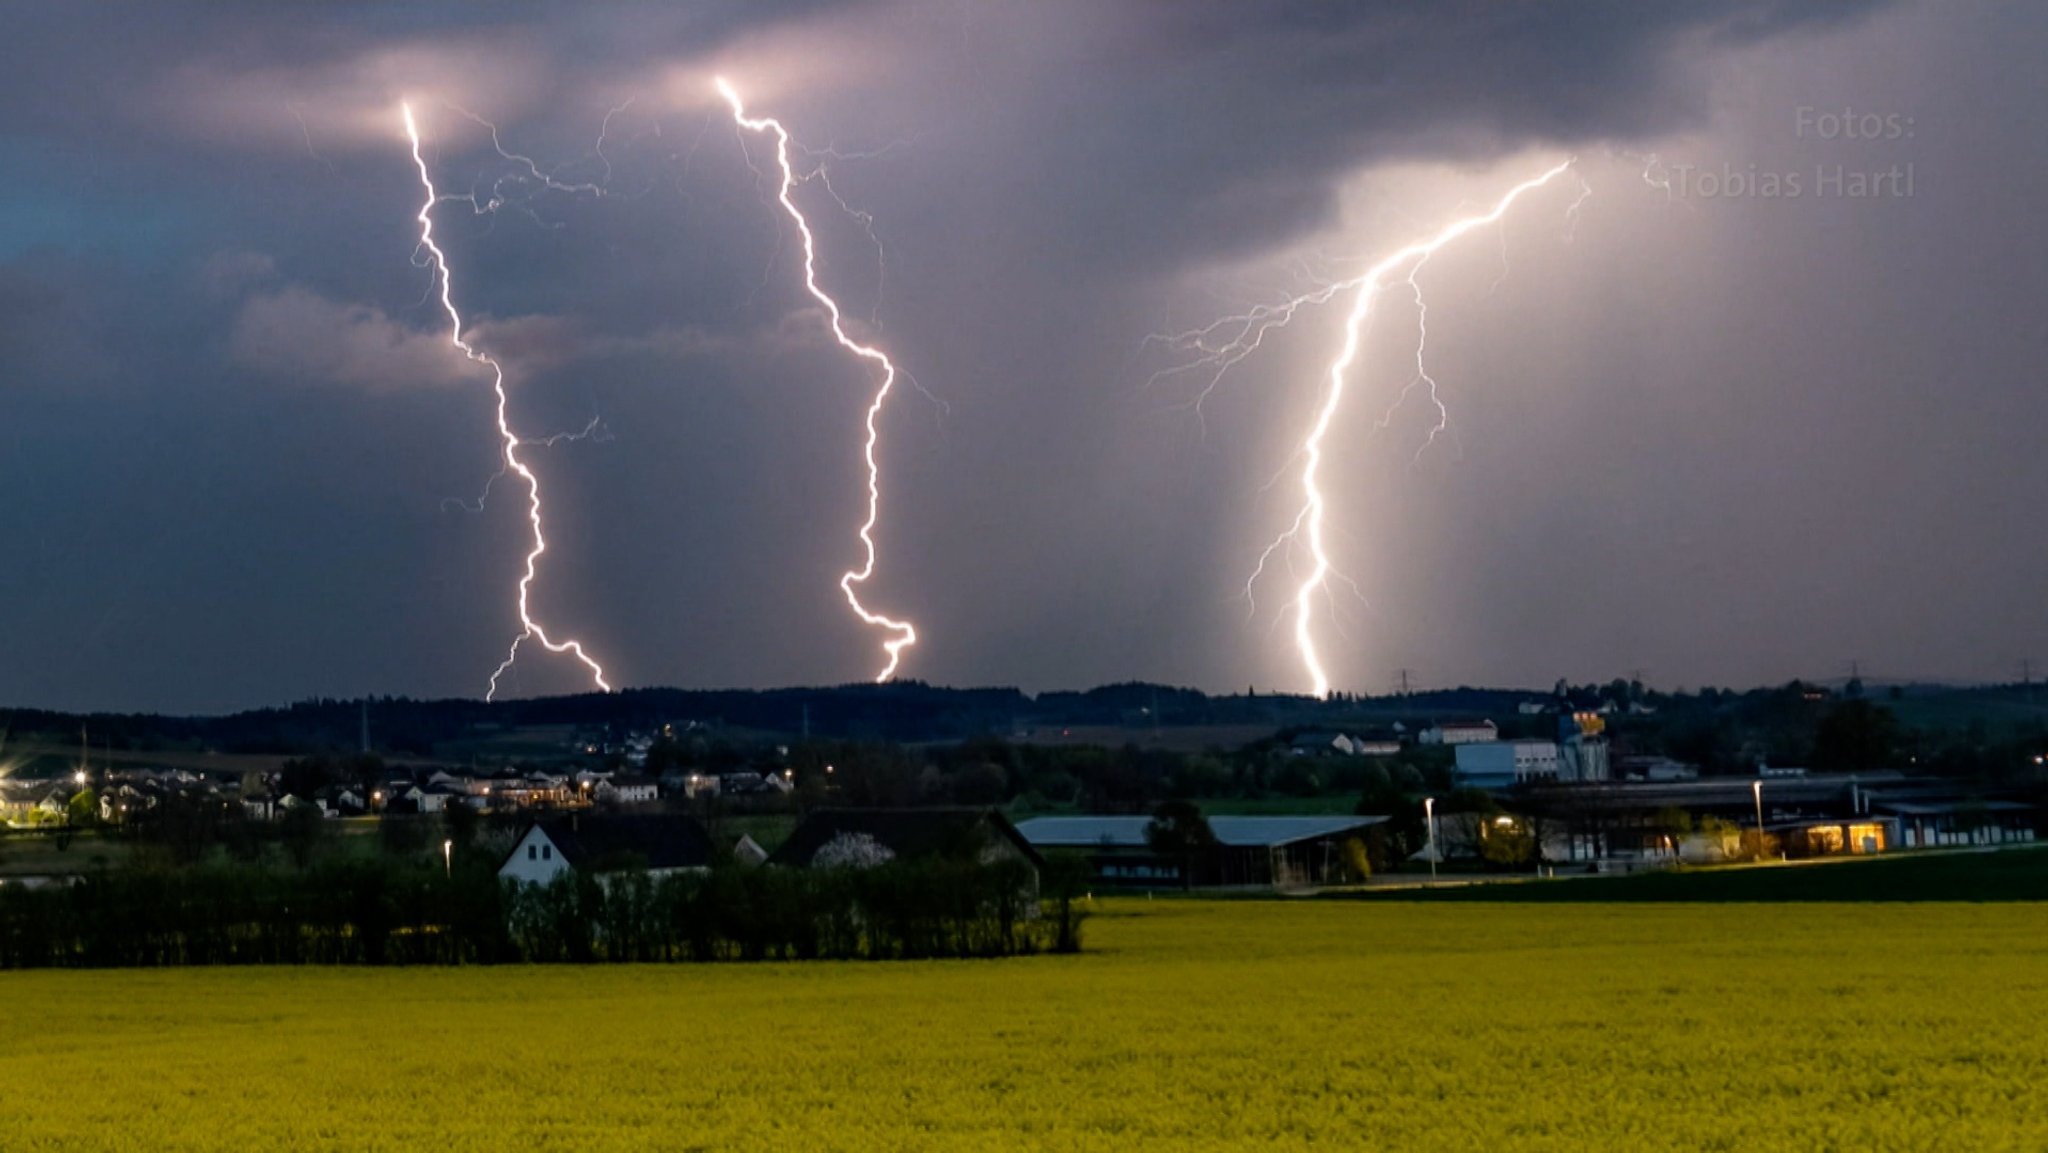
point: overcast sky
(1695, 429)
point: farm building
(658, 843)
(1925, 822)
(1807, 814)
(1276, 852)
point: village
(1455, 799)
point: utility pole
(1404, 682)
(365, 734)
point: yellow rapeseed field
(1189, 1025)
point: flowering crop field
(1188, 1025)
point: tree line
(386, 911)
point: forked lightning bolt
(1221, 345)
(529, 627)
(904, 633)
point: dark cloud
(238, 422)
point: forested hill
(902, 711)
(1706, 727)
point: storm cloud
(1696, 430)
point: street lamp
(1756, 789)
(1429, 822)
(448, 857)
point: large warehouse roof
(1129, 832)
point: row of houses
(122, 795)
(663, 843)
(1257, 851)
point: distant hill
(904, 711)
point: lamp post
(1429, 822)
(448, 857)
(1756, 789)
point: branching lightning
(904, 634)
(1221, 345)
(529, 627)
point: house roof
(1237, 832)
(1948, 808)
(663, 840)
(1709, 792)
(904, 832)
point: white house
(1460, 733)
(588, 842)
(432, 798)
(535, 859)
(625, 790)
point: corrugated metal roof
(1129, 832)
(1947, 808)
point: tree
(1179, 830)
(1065, 880)
(459, 822)
(402, 836)
(982, 784)
(1357, 863)
(1725, 836)
(84, 808)
(1506, 842)
(1856, 736)
(1674, 824)
(302, 829)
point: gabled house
(599, 843)
(292, 802)
(259, 806)
(627, 790)
(344, 800)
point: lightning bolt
(529, 627)
(904, 634)
(1223, 344)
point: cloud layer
(1686, 427)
